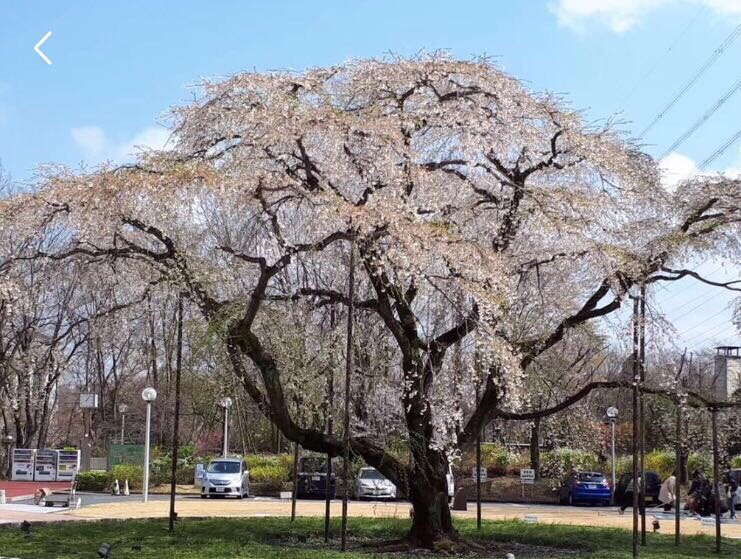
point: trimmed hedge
(93, 481)
(135, 475)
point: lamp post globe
(612, 413)
(226, 402)
(149, 394)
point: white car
(225, 477)
(371, 484)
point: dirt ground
(256, 507)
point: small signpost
(527, 477)
(481, 476)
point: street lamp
(612, 414)
(149, 395)
(8, 444)
(122, 409)
(226, 403)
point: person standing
(731, 489)
(668, 492)
(627, 497)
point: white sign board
(482, 473)
(527, 476)
(88, 401)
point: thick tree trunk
(432, 521)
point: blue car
(585, 487)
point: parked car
(585, 487)
(372, 484)
(736, 474)
(225, 477)
(312, 478)
(624, 489)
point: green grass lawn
(277, 538)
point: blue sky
(118, 66)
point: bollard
(2, 496)
(116, 488)
(126, 488)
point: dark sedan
(312, 478)
(624, 490)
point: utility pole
(176, 426)
(348, 373)
(636, 432)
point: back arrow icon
(37, 48)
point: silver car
(226, 477)
(371, 484)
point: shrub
(185, 475)
(270, 466)
(134, 473)
(624, 465)
(495, 457)
(701, 462)
(736, 461)
(273, 475)
(660, 461)
(558, 463)
(93, 481)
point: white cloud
(91, 140)
(620, 15)
(677, 167)
(97, 147)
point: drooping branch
(733, 285)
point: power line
(700, 121)
(720, 151)
(704, 68)
(694, 19)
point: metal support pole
(678, 484)
(330, 426)
(642, 411)
(614, 461)
(478, 481)
(348, 372)
(176, 423)
(146, 451)
(294, 491)
(716, 477)
(123, 424)
(636, 425)
(226, 432)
